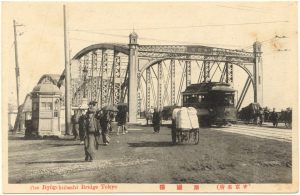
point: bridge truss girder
(108, 75)
(104, 80)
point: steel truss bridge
(155, 75)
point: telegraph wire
(191, 26)
(267, 40)
(153, 39)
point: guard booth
(46, 110)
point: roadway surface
(235, 154)
(266, 132)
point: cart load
(186, 118)
(185, 125)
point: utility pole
(17, 70)
(17, 63)
(67, 79)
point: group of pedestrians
(90, 126)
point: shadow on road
(63, 145)
(151, 144)
(58, 161)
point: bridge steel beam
(93, 83)
(159, 85)
(188, 72)
(104, 84)
(117, 82)
(172, 64)
(148, 88)
(230, 74)
(243, 94)
(206, 71)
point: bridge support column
(133, 65)
(257, 74)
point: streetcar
(214, 102)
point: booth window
(55, 114)
(46, 106)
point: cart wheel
(173, 136)
(196, 136)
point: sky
(228, 25)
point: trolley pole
(67, 80)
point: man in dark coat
(274, 118)
(121, 119)
(90, 141)
(82, 125)
(156, 121)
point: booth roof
(46, 88)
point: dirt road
(143, 157)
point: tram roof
(205, 87)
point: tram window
(228, 100)
(231, 101)
(192, 99)
(201, 98)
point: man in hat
(90, 141)
(92, 104)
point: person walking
(261, 116)
(121, 119)
(82, 125)
(105, 126)
(75, 124)
(156, 120)
(274, 118)
(90, 141)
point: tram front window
(228, 100)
